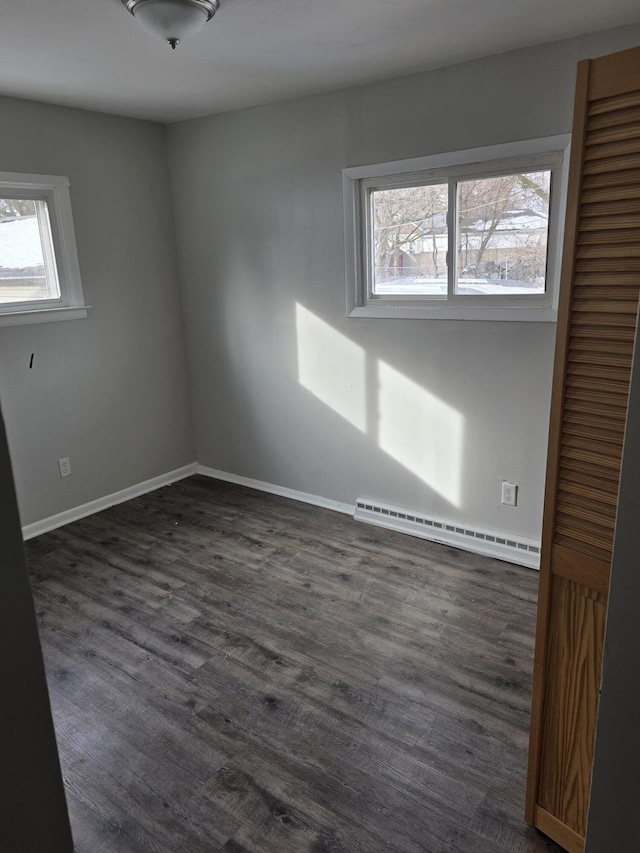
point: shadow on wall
(411, 425)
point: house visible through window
(39, 271)
(501, 235)
(410, 241)
(456, 240)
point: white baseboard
(479, 540)
(82, 511)
(503, 546)
(272, 489)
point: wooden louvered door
(596, 330)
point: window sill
(43, 315)
(458, 312)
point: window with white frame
(39, 270)
(474, 234)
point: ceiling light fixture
(172, 20)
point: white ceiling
(93, 54)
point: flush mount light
(172, 20)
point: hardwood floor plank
(238, 672)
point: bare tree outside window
(410, 234)
(503, 224)
(500, 233)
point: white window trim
(70, 305)
(473, 162)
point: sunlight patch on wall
(421, 432)
(331, 367)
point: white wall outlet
(65, 466)
(509, 493)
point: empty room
(317, 327)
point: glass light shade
(172, 20)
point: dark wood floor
(231, 671)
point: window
(471, 235)
(39, 271)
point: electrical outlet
(65, 466)
(509, 494)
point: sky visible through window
(25, 243)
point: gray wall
(424, 414)
(110, 391)
(33, 814)
(259, 207)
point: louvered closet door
(596, 330)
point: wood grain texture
(617, 78)
(233, 671)
(548, 823)
(555, 467)
(599, 315)
(600, 288)
(573, 566)
(576, 638)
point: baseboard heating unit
(492, 543)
